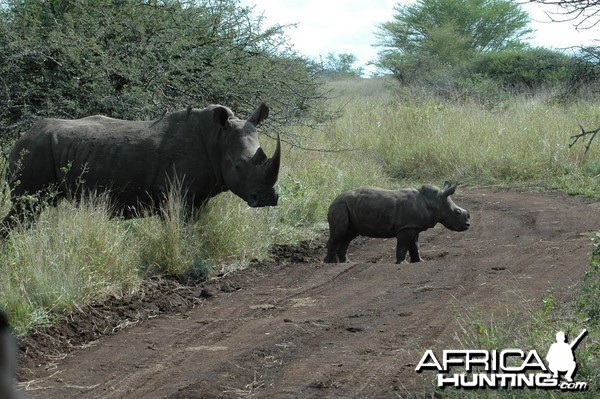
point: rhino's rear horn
(272, 165)
(259, 157)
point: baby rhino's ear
(448, 189)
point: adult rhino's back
(96, 153)
(207, 150)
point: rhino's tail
(339, 222)
(338, 218)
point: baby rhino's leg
(413, 250)
(405, 240)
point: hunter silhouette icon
(560, 356)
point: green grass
(76, 254)
(524, 143)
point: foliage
(447, 32)
(528, 68)
(339, 66)
(136, 59)
(429, 139)
(584, 79)
(472, 49)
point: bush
(136, 60)
(524, 69)
(584, 79)
(491, 78)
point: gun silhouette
(574, 343)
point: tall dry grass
(74, 254)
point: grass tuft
(74, 254)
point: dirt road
(302, 328)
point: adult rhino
(208, 150)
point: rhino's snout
(465, 220)
(460, 221)
(467, 224)
(260, 199)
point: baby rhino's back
(377, 212)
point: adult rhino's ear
(260, 114)
(448, 189)
(220, 116)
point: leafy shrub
(524, 69)
(136, 60)
(584, 79)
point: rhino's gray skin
(8, 360)
(209, 150)
(379, 213)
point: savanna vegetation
(504, 118)
(477, 48)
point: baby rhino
(375, 212)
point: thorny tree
(138, 59)
(584, 14)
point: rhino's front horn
(272, 165)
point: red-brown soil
(297, 327)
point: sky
(349, 26)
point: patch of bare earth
(300, 328)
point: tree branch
(585, 14)
(583, 134)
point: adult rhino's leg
(413, 250)
(338, 228)
(404, 240)
(25, 207)
(344, 244)
(10, 221)
(8, 360)
(332, 249)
